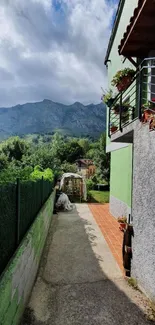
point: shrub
(89, 184)
(38, 173)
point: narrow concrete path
(79, 282)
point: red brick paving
(110, 229)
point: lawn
(99, 196)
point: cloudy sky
(53, 49)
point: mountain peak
(47, 116)
(47, 100)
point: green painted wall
(121, 159)
(121, 174)
(17, 281)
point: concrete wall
(143, 210)
(17, 280)
(121, 160)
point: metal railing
(130, 104)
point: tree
(38, 173)
(73, 151)
(66, 167)
(14, 148)
(85, 145)
(3, 161)
(102, 160)
(44, 157)
(12, 172)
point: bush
(68, 168)
(89, 184)
(38, 173)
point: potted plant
(124, 108)
(148, 110)
(108, 97)
(113, 128)
(123, 79)
(122, 222)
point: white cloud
(53, 49)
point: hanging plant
(124, 108)
(108, 97)
(123, 79)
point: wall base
(118, 208)
(17, 280)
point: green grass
(98, 196)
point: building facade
(85, 167)
(132, 145)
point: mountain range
(47, 117)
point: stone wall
(17, 281)
(143, 209)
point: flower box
(124, 83)
(123, 79)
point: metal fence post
(18, 210)
(109, 117)
(120, 114)
(140, 96)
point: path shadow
(72, 288)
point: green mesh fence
(19, 205)
(8, 223)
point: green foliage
(12, 172)
(108, 97)
(14, 148)
(73, 151)
(89, 184)
(121, 74)
(66, 167)
(38, 173)
(3, 161)
(102, 160)
(85, 145)
(42, 156)
(19, 157)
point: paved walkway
(110, 230)
(79, 282)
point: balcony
(129, 106)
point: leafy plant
(38, 173)
(89, 184)
(127, 72)
(66, 167)
(108, 97)
(122, 219)
(149, 104)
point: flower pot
(147, 115)
(116, 108)
(122, 226)
(113, 129)
(110, 102)
(124, 83)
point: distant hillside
(46, 117)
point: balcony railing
(130, 104)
